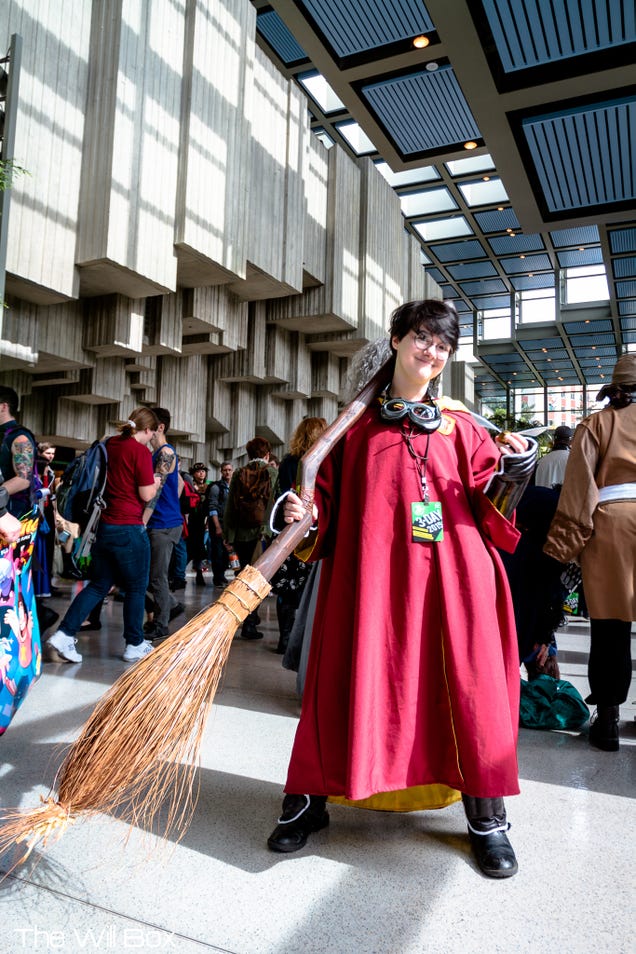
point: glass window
(495, 323)
(427, 201)
(409, 177)
(584, 284)
(465, 350)
(537, 305)
(463, 167)
(357, 139)
(483, 193)
(321, 92)
(435, 229)
(528, 403)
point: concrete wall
(182, 238)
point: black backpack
(251, 491)
(80, 493)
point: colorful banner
(20, 648)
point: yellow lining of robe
(415, 799)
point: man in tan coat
(595, 524)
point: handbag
(548, 703)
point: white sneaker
(134, 653)
(63, 647)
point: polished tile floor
(371, 883)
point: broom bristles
(139, 750)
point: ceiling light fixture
(420, 42)
(470, 145)
(432, 66)
(486, 178)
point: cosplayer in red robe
(413, 676)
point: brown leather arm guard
(506, 486)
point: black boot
(487, 827)
(301, 815)
(199, 581)
(249, 630)
(286, 615)
(604, 728)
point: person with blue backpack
(121, 553)
(165, 524)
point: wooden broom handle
(287, 541)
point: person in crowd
(17, 477)
(551, 468)
(121, 552)
(252, 492)
(188, 500)
(198, 519)
(17, 454)
(595, 523)
(42, 566)
(45, 458)
(412, 688)
(163, 518)
(535, 583)
(219, 557)
(287, 601)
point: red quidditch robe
(413, 675)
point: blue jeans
(218, 558)
(120, 555)
(179, 560)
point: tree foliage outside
(8, 171)
(499, 417)
(505, 423)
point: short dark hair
(437, 317)
(258, 447)
(163, 416)
(10, 397)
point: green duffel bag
(548, 703)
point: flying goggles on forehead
(425, 416)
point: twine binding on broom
(138, 752)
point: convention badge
(426, 522)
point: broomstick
(138, 752)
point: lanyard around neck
(420, 460)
